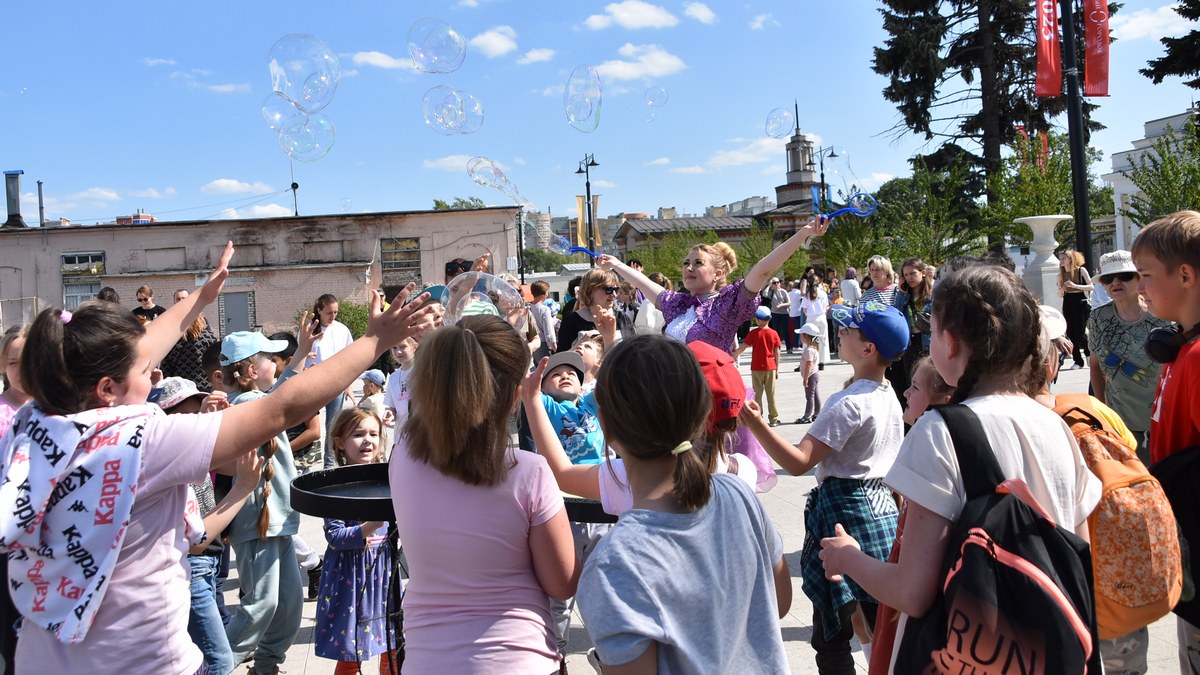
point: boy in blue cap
(764, 361)
(852, 443)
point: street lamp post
(585, 166)
(821, 153)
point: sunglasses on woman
(611, 290)
(1125, 277)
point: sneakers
(798, 369)
(804, 420)
(314, 581)
(594, 661)
(774, 423)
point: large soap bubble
(449, 111)
(435, 47)
(780, 123)
(582, 99)
(305, 70)
(311, 142)
(476, 293)
(485, 172)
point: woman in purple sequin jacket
(713, 308)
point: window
(400, 260)
(83, 264)
(76, 291)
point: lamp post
(821, 153)
(585, 166)
(521, 243)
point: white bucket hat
(1117, 262)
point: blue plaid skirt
(867, 511)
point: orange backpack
(1136, 558)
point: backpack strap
(976, 461)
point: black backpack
(1179, 475)
(1016, 594)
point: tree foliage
(926, 217)
(1167, 175)
(666, 254)
(964, 70)
(459, 203)
(1182, 57)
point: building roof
(662, 225)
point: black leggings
(833, 654)
(1076, 311)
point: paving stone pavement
(784, 504)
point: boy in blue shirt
(572, 413)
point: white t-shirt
(864, 425)
(815, 308)
(334, 338)
(1030, 442)
(796, 298)
(395, 395)
(851, 292)
(616, 498)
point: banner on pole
(1049, 52)
(1095, 35)
(580, 223)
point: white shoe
(594, 661)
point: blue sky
(156, 105)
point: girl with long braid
(985, 343)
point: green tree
(459, 203)
(964, 70)
(761, 240)
(1167, 176)
(1182, 58)
(667, 253)
(926, 217)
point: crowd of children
(116, 499)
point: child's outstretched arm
(910, 584)
(307, 332)
(640, 281)
(756, 278)
(581, 480)
(165, 331)
(248, 474)
(298, 399)
(795, 459)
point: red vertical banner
(1049, 53)
(1095, 36)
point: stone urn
(1041, 274)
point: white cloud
(661, 161)
(632, 14)
(688, 169)
(1150, 23)
(536, 56)
(96, 194)
(228, 88)
(256, 211)
(762, 21)
(448, 163)
(519, 161)
(153, 193)
(642, 61)
(57, 205)
(756, 152)
(151, 62)
(700, 12)
(605, 184)
(233, 186)
(871, 183)
(381, 60)
(468, 3)
(496, 41)
(553, 90)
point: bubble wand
(860, 204)
(562, 246)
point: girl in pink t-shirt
(106, 475)
(484, 528)
(14, 395)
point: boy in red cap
(764, 361)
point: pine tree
(1183, 53)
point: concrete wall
(282, 263)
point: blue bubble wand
(561, 245)
(860, 204)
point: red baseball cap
(728, 389)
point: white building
(1123, 163)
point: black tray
(356, 492)
(361, 492)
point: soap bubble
(311, 142)
(485, 172)
(582, 99)
(305, 70)
(477, 293)
(282, 113)
(780, 123)
(656, 97)
(449, 111)
(435, 47)
(346, 204)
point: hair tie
(65, 316)
(469, 331)
(681, 448)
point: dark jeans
(781, 323)
(833, 654)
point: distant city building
(750, 206)
(716, 211)
(667, 212)
(1123, 162)
(139, 218)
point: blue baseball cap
(375, 376)
(762, 313)
(882, 325)
(245, 343)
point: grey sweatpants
(268, 619)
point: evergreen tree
(1183, 53)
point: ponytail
(692, 487)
